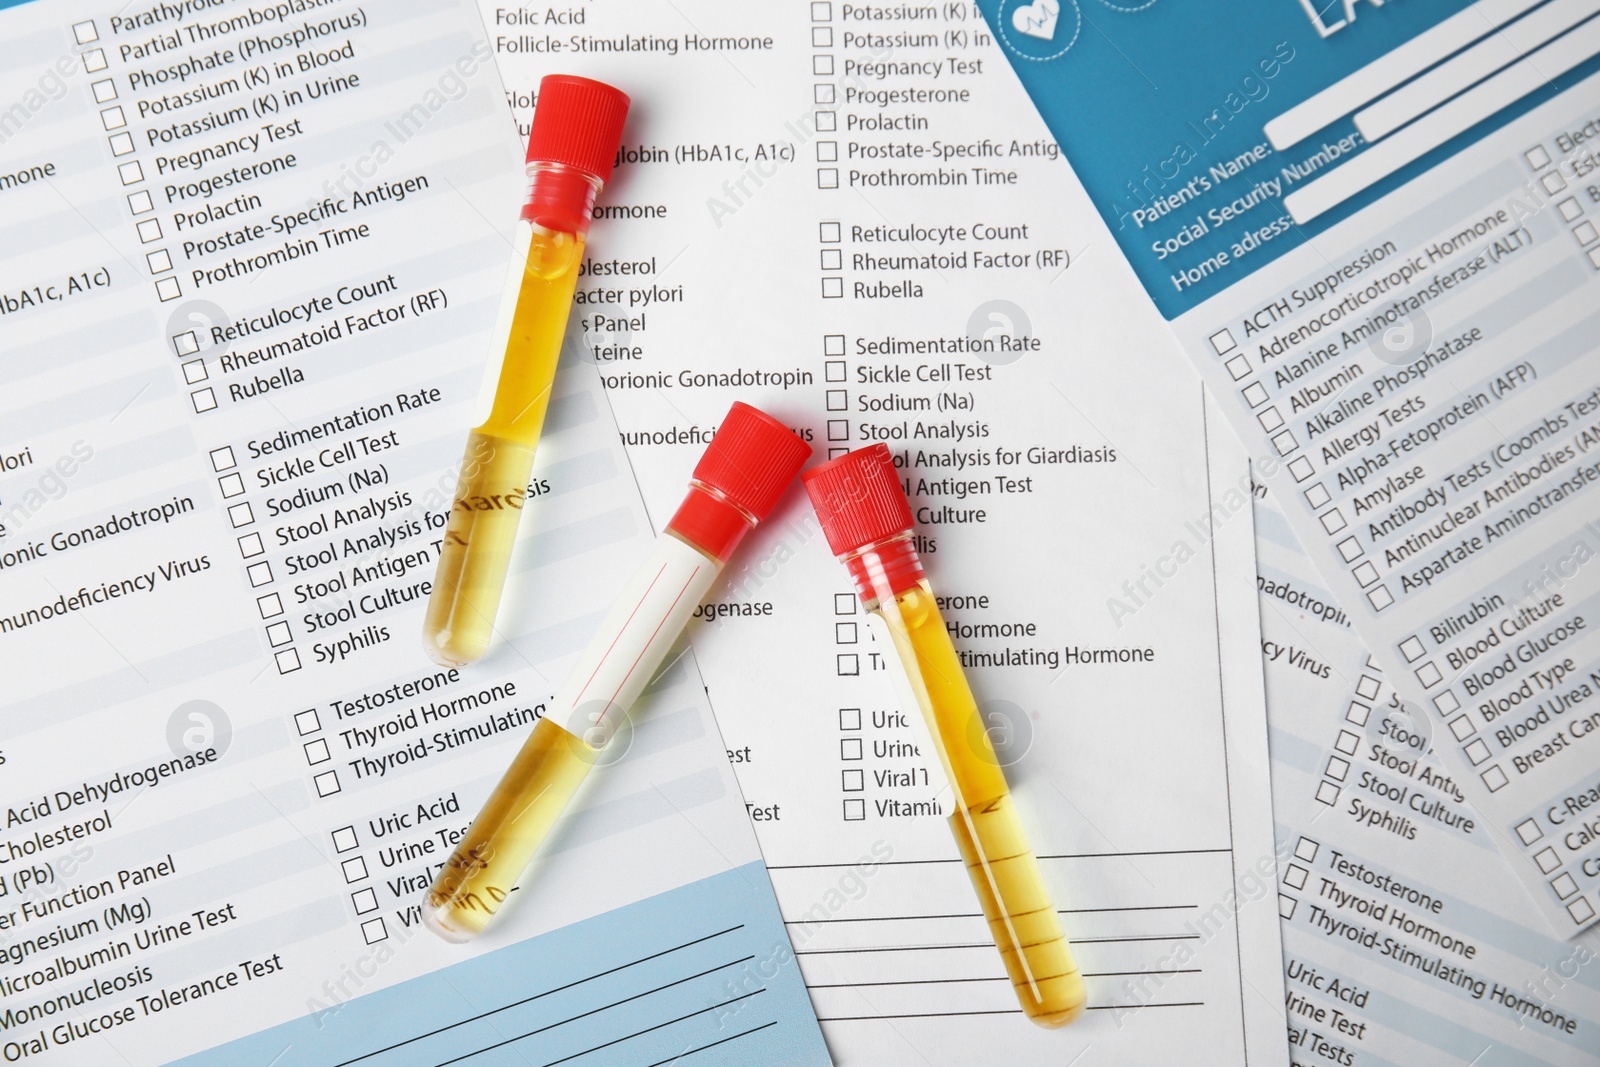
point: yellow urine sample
(1022, 918)
(493, 485)
(502, 840)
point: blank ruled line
(995, 978)
(680, 1057)
(537, 996)
(979, 914)
(990, 944)
(1042, 856)
(997, 1011)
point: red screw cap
(578, 121)
(859, 499)
(751, 460)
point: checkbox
(194, 372)
(186, 343)
(1446, 702)
(831, 258)
(838, 429)
(1350, 549)
(160, 261)
(260, 573)
(1328, 793)
(849, 664)
(1306, 849)
(1412, 648)
(822, 64)
(121, 144)
(85, 32)
(1255, 394)
(140, 202)
(168, 289)
(1570, 208)
(1338, 768)
(1553, 182)
(374, 931)
(241, 515)
(327, 784)
(250, 546)
(823, 93)
(850, 748)
(222, 459)
(838, 400)
(1564, 885)
(1347, 742)
(1547, 860)
(827, 121)
(317, 751)
(1428, 674)
(1537, 157)
(829, 233)
(1357, 713)
(1528, 831)
(827, 151)
(822, 11)
(834, 370)
(1462, 727)
(130, 172)
(113, 117)
(1300, 467)
(1333, 521)
(1594, 258)
(105, 90)
(855, 809)
(364, 901)
(1285, 442)
(1286, 906)
(1237, 367)
(832, 288)
(1222, 342)
(307, 722)
(1366, 574)
(149, 230)
(232, 485)
(844, 633)
(288, 662)
(828, 178)
(204, 400)
(833, 344)
(849, 718)
(853, 780)
(1270, 419)
(1581, 911)
(1586, 233)
(94, 60)
(1477, 752)
(844, 603)
(344, 839)
(1318, 495)
(822, 37)
(278, 634)
(1495, 778)
(270, 605)
(1295, 876)
(1380, 598)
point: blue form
(702, 976)
(1155, 102)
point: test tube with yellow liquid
(867, 521)
(577, 129)
(751, 460)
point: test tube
(751, 460)
(577, 129)
(867, 521)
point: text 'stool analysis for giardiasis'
(249, 288)
(870, 234)
(1374, 230)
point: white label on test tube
(624, 655)
(912, 700)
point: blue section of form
(702, 976)
(1146, 97)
